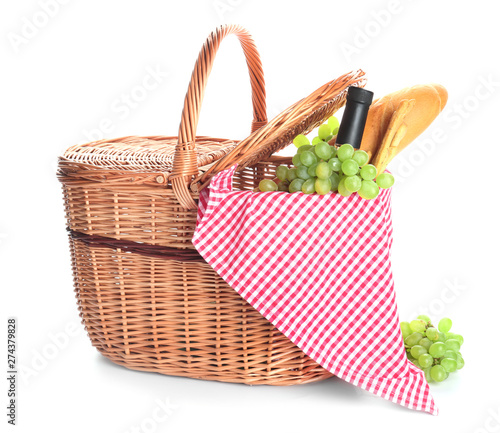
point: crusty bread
(430, 99)
(393, 136)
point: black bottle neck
(354, 119)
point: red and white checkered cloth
(319, 269)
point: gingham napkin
(318, 268)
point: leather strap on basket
(185, 162)
(156, 251)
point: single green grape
(453, 336)
(432, 334)
(445, 324)
(417, 350)
(344, 152)
(316, 140)
(305, 148)
(324, 131)
(438, 373)
(369, 189)
(281, 172)
(308, 158)
(323, 186)
(266, 185)
(361, 157)
(335, 164)
(405, 329)
(425, 318)
(427, 372)
(385, 180)
(334, 124)
(283, 186)
(302, 172)
(368, 172)
(350, 167)
(334, 180)
(300, 140)
(450, 354)
(449, 364)
(452, 345)
(460, 362)
(291, 174)
(334, 151)
(323, 151)
(425, 342)
(413, 339)
(323, 170)
(352, 183)
(296, 185)
(437, 349)
(308, 186)
(425, 360)
(417, 325)
(342, 189)
(296, 160)
(441, 337)
(329, 137)
(311, 171)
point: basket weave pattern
(151, 314)
(140, 207)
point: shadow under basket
(148, 312)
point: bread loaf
(430, 99)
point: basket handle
(185, 164)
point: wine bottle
(354, 118)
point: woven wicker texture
(142, 154)
(179, 318)
(138, 207)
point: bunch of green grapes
(435, 351)
(320, 168)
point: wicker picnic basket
(146, 297)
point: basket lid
(142, 154)
(300, 118)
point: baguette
(430, 100)
(393, 136)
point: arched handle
(185, 163)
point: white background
(64, 77)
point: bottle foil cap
(359, 94)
